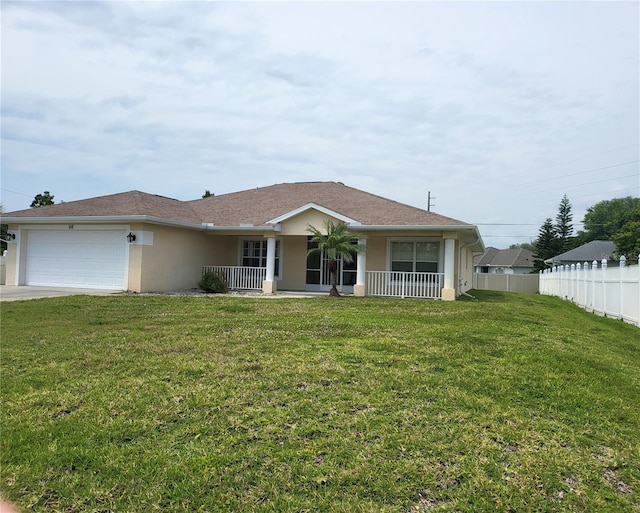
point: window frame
(346, 270)
(414, 241)
(263, 242)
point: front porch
(376, 283)
(387, 266)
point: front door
(319, 277)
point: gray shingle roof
(594, 250)
(486, 258)
(493, 257)
(255, 206)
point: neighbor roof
(594, 250)
(493, 257)
(252, 207)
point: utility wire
(14, 192)
(627, 190)
(578, 173)
(585, 157)
(634, 175)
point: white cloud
(468, 100)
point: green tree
(207, 194)
(42, 199)
(337, 242)
(564, 228)
(606, 218)
(546, 245)
(627, 238)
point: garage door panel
(77, 258)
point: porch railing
(239, 277)
(404, 284)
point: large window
(415, 256)
(254, 254)
(318, 268)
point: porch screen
(318, 268)
(415, 256)
(254, 254)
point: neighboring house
(504, 261)
(147, 243)
(594, 250)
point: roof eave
(469, 228)
(209, 227)
(249, 229)
(101, 219)
(406, 227)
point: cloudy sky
(497, 108)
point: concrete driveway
(23, 292)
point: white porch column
(269, 284)
(449, 290)
(360, 288)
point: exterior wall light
(131, 237)
(11, 236)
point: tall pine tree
(546, 245)
(564, 228)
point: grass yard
(158, 403)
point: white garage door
(95, 259)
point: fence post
(584, 284)
(559, 286)
(604, 287)
(594, 267)
(623, 263)
(579, 289)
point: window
(318, 268)
(254, 254)
(415, 256)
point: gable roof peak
(262, 205)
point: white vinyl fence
(610, 291)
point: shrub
(213, 282)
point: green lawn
(156, 403)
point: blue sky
(497, 108)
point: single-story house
(504, 261)
(258, 238)
(594, 250)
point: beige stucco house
(258, 238)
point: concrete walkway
(23, 292)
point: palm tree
(338, 241)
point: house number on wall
(70, 227)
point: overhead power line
(585, 157)
(578, 173)
(634, 175)
(14, 192)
